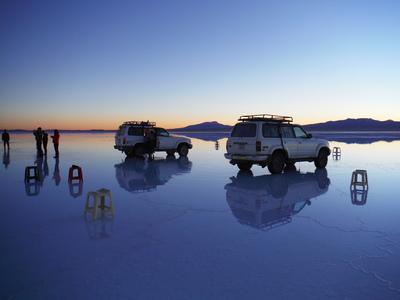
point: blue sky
(95, 64)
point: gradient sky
(94, 64)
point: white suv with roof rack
(130, 139)
(271, 140)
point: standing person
(39, 136)
(56, 139)
(6, 139)
(149, 141)
(45, 139)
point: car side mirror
(309, 135)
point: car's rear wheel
(244, 166)
(183, 150)
(139, 151)
(322, 159)
(277, 163)
(130, 153)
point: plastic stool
(364, 178)
(99, 208)
(71, 173)
(35, 175)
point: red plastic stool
(71, 173)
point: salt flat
(196, 228)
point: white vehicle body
(269, 201)
(270, 140)
(130, 139)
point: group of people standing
(41, 137)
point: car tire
(322, 159)
(139, 151)
(244, 166)
(183, 150)
(277, 163)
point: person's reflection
(45, 168)
(39, 162)
(56, 173)
(6, 157)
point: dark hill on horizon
(205, 126)
(362, 124)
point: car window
(121, 130)
(270, 130)
(244, 130)
(287, 131)
(135, 131)
(162, 132)
(299, 132)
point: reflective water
(196, 228)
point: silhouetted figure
(45, 140)
(56, 173)
(149, 141)
(39, 137)
(56, 140)
(6, 139)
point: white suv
(130, 140)
(271, 140)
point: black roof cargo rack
(266, 117)
(143, 123)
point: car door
(306, 145)
(290, 142)
(164, 140)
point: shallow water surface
(196, 228)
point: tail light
(124, 141)
(258, 146)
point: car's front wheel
(183, 150)
(277, 163)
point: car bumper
(235, 158)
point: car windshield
(299, 132)
(162, 132)
(244, 130)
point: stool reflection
(32, 188)
(101, 228)
(75, 189)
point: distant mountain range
(363, 124)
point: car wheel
(183, 150)
(277, 163)
(322, 159)
(130, 153)
(139, 151)
(244, 166)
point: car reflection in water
(268, 201)
(138, 175)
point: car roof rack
(266, 117)
(143, 123)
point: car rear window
(244, 130)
